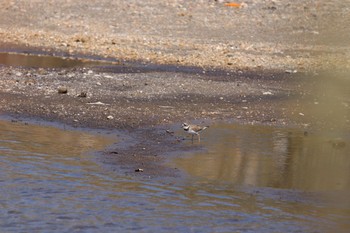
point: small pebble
(62, 90)
(169, 132)
(291, 71)
(139, 170)
(267, 93)
(82, 94)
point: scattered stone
(139, 170)
(29, 82)
(243, 5)
(98, 103)
(42, 71)
(301, 114)
(169, 132)
(110, 117)
(267, 93)
(62, 90)
(291, 71)
(82, 94)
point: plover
(194, 129)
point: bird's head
(185, 126)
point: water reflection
(288, 160)
(28, 60)
(24, 148)
(49, 184)
(270, 157)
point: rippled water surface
(248, 179)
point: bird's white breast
(191, 131)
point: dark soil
(148, 105)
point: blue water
(50, 182)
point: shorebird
(194, 129)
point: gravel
(299, 35)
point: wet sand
(148, 106)
(176, 61)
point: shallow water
(264, 156)
(50, 183)
(39, 59)
(45, 61)
(299, 178)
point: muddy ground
(213, 62)
(146, 107)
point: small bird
(194, 129)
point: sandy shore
(247, 65)
(267, 34)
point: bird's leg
(199, 137)
(192, 138)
